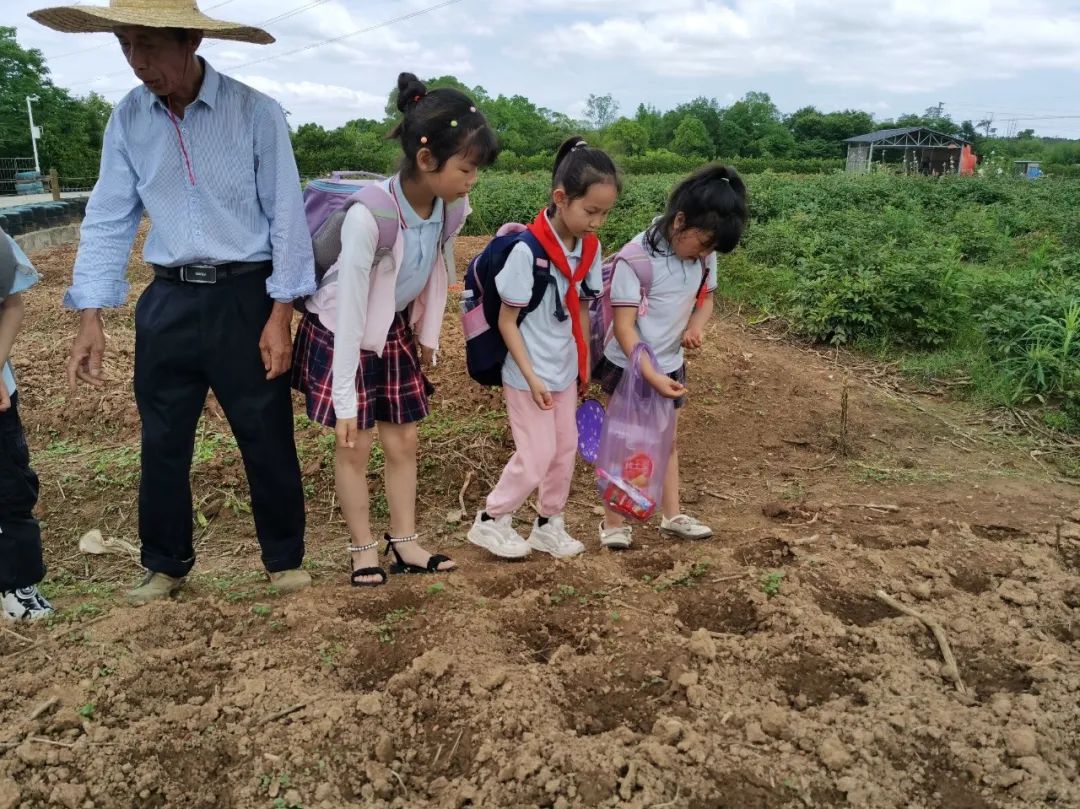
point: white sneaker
(498, 536)
(618, 539)
(685, 527)
(553, 538)
(25, 604)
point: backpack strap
(387, 219)
(701, 291)
(542, 277)
(453, 218)
(385, 210)
(637, 258)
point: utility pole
(35, 132)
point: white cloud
(904, 46)
(330, 104)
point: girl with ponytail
(362, 367)
(548, 352)
(706, 214)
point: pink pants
(545, 442)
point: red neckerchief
(549, 240)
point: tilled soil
(754, 670)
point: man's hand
(5, 398)
(275, 345)
(88, 351)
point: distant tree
(626, 137)
(601, 111)
(71, 128)
(692, 138)
(753, 127)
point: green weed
(770, 583)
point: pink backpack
(327, 201)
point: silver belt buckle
(198, 274)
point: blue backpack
(485, 350)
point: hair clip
(423, 138)
(454, 122)
(472, 109)
(417, 97)
(579, 145)
(726, 180)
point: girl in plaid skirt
(355, 378)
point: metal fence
(75, 184)
(9, 167)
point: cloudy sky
(1018, 60)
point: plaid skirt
(391, 388)
(608, 374)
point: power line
(365, 30)
(987, 108)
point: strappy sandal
(401, 566)
(367, 571)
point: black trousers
(191, 338)
(20, 536)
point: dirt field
(752, 671)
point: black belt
(211, 273)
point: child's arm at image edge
(11, 317)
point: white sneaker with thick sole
(553, 538)
(25, 604)
(498, 536)
(685, 527)
(618, 539)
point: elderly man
(209, 160)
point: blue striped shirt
(219, 185)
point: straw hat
(149, 13)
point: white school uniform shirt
(25, 277)
(675, 284)
(550, 343)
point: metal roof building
(917, 148)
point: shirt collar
(208, 92)
(410, 217)
(578, 243)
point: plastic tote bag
(635, 444)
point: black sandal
(401, 566)
(367, 571)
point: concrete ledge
(49, 237)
